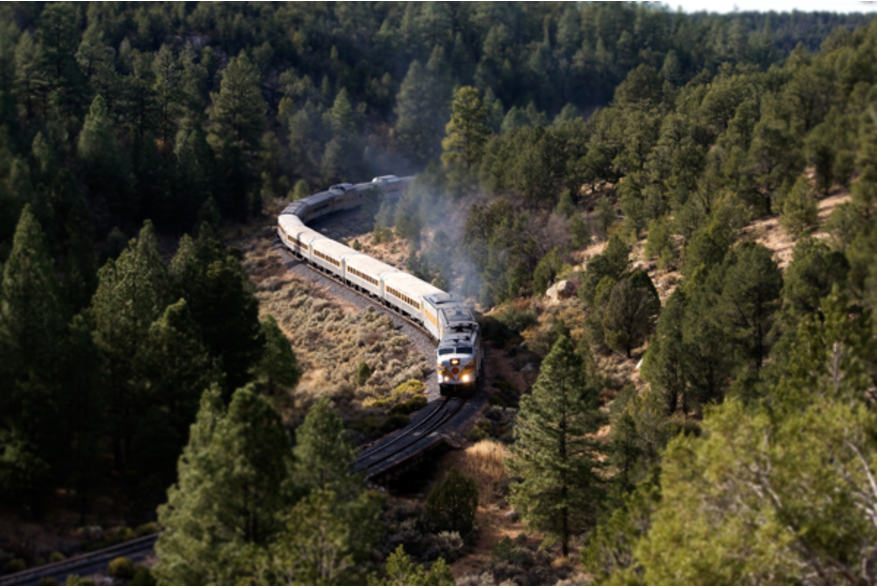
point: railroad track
(418, 437)
(84, 564)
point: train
(446, 317)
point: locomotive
(447, 319)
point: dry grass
(330, 338)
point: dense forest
(133, 136)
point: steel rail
(82, 564)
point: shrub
(48, 581)
(800, 211)
(301, 190)
(451, 504)
(121, 568)
(77, 581)
(56, 557)
(16, 565)
(142, 576)
(363, 372)
(446, 545)
(417, 402)
(147, 529)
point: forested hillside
(604, 143)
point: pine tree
(31, 329)
(278, 363)
(58, 35)
(400, 570)
(105, 172)
(220, 297)
(238, 111)
(749, 300)
(323, 453)
(452, 503)
(327, 541)
(665, 361)
(174, 366)
(132, 293)
(80, 264)
(561, 489)
(467, 132)
(84, 405)
(31, 322)
(168, 91)
(233, 486)
(799, 211)
(631, 312)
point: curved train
(444, 316)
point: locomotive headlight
(455, 362)
(465, 379)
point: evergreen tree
(175, 367)
(665, 361)
(400, 570)
(238, 111)
(326, 542)
(631, 312)
(233, 485)
(553, 454)
(278, 363)
(31, 328)
(799, 211)
(220, 297)
(133, 292)
(323, 453)
(466, 133)
(750, 297)
(104, 169)
(84, 404)
(80, 265)
(420, 119)
(452, 503)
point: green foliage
(660, 244)
(631, 312)
(452, 503)
(233, 485)
(579, 231)
(400, 570)
(799, 208)
(546, 271)
(466, 132)
(363, 372)
(323, 454)
(278, 362)
(609, 552)
(552, 452)
(121, 568)
(325, 542)
(612, 263)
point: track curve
(84, 564)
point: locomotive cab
(457, 368)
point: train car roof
(289, 221)
(326, 245)
(370, 265)
(319, 198)
(410, 285)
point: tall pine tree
(553, 452)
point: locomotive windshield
(465, 350)
(446, 352)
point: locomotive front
(457, 367)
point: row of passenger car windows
(404, 298)
(362, 275)
(327, 258)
